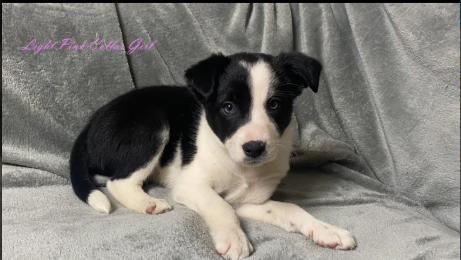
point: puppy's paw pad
(232, 244)
(162, 206)
(331, 237)
(347, 241)
(155, 206)
(150, 209)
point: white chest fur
(213, 167)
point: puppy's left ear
(203, 77)
(299, 68)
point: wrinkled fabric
(377, 146)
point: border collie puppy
(222, 145)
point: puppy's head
(248, 99)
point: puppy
(222, 145)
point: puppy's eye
(228, 108)
(274, 104)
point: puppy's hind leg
(130, 194)
(128, 191)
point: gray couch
(377, 146)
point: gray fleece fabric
(377, 146)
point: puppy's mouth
(260, 160)
(255, 161)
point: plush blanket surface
(377, 146)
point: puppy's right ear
(203, 77)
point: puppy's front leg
(294, 219)
(229, 239)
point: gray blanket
(377, 146)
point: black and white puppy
(222, 145)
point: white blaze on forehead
(261, 78)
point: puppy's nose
(254, 149)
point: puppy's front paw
(329, 236)
(232, 243)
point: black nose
(254, 149)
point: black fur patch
(231, 86)
(124, 135)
